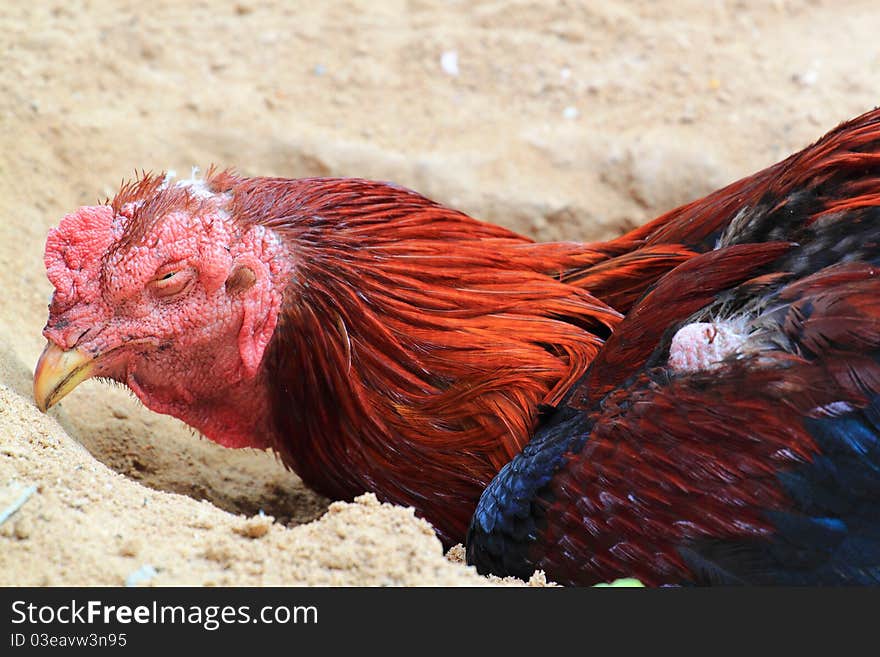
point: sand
(563, 120)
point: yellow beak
(58, 372)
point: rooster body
(728, 432)
(701, 391)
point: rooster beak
(58, 372)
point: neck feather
(416, 344)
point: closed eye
(171, 283)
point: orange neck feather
(416, 344)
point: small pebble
(22, 529)
(130, 548)
(457, 554)
(449, 62)
(807, 78)
(141, 576)
(256, 527)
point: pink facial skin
(182, 316)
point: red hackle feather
(416, 344)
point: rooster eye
(171, 283)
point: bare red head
(164, 291)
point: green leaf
(628, 582)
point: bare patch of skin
(704, 345)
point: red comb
(74, 249)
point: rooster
(379, 341)
(728, 432)
(374, 339)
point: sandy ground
(560, 119)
